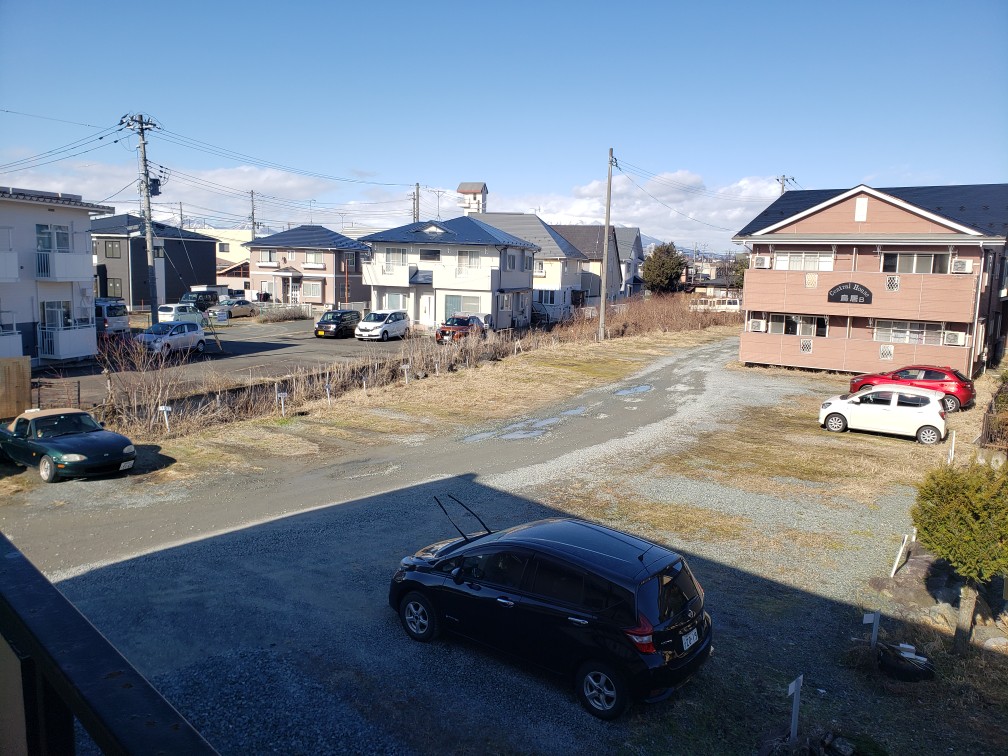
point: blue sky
(704, 104)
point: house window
(907, 332)
(268, 255)
(289, 256)
(158, 251)
(468, 259)
(505, 302)
(114, 287)
(803, 261)
(395, 256)
(223, 248)
(311, 289)
(113, 249)
(55, 314)
(528, 262)
(540, 268)
(314, 258)
(266, 287)
(395, 301)
(430, 255)
(545, 296)
(350, 261)
(914, 262)
(458, 303)
(798, 325)
(512, 261)
(52, 238)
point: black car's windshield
(663, 596)
(330, 317)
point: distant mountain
(649, 241)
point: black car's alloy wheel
(601, 690)
(418, 617)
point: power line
(628, 168)
(677, 212)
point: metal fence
(994, 430)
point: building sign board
(850, 292)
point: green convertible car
(65, 443)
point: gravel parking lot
(256, 599)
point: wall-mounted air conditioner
(955, 338)
(762, 262)
(962, 266)
(757, 326)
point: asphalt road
(241, 348)
(256, 599)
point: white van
(181, 312)
(111, 317)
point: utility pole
(253, 215)
(181, 220)
(605, 254)
(140, 124)
(416, 204)
(782, 180)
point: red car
(958, 389)
(459, 327)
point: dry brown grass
(792, 451)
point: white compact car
(383, 325)
(888, 408)
(181, 312)
(167, 337)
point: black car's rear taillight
(641, 635)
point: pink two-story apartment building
(865, 279)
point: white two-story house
(433, 269)
(47, 275)
(556, 273)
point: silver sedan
(235, 308)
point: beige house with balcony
(47, 275)
(433, 269)
(556, 272)
(307, 265)
(864, 279)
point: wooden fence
(15, 386)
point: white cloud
(674, 206)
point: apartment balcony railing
(903, 296)
(63, 266)
(9, 269)
(67, 342)
(387, 274)
(56, 667)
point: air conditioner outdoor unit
(761, 261)
(962, 266)
(757, 326)
(955, 338)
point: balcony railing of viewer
(46, 682)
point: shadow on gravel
(149, 458)
(279, 638)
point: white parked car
(888, 408)
(383, 325)
(168, 337)
(181, 312)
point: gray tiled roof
(126, 224)
(462, 230)
(307, 237)
(981, 207)
(590, 239)
(628, 238)
(531, 227)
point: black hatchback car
(621, 616)
(337, 323)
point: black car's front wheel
(418, 617)
(601, 690)
(47, 469)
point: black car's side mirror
(456, 575)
